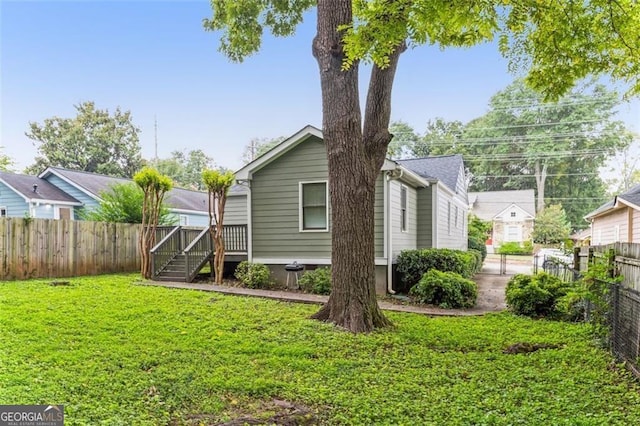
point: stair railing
(197, 253)
(165, 250)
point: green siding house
(419, 203)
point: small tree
(122, 203)
(218, 184)
(154, 187)
(551, 225)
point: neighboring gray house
(618, 220)
(23, 195)
(419, 203)
(511, 213)
(61, 193)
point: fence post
(611, 263)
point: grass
(115, 352)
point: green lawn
(116, 352)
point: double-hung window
(314, 214)
(3, 212)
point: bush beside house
(446, 290)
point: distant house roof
(487, 205)
(629, 198)
(632, 196)
(93, 184)
(32, 188)
(446, 168)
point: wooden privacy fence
(45, 248)
(626, 261)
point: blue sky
(154, 59)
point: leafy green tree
(404, 140)
(258, 147)
(154, 187)
(218, 184)
(93, 141)
(185, 169)
(441, 138)
(5, 162)
(551, 225)
(557, 42)
(122, 203)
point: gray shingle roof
(24, 184)
(446, 168)
(632, 195)
(178, 198)
(486, 205)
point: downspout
(387, 226)
(390, 231)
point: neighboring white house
(511, 213)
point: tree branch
(378, 109)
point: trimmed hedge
(253, 275)
(317, 281)
(413, 264)
(515, 248)
(537, 295)
(445, 289)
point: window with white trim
(513, 214)
(616, 234)
(449, 217)
(3, 212)
(184, 220)
(403, 208)
(314, 214)
(456, 218)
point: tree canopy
(5, 162)
(557, 43)
(258, 147)
(122, 203)
(185, 168)
(93, 141)
(551, 226)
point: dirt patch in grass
(260, 412)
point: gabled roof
(93, 184)
(303, 134)
(629, 198)
(446, 168)
(632, 196)
(34, 189)
(422, 171)
(489, 204)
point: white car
(546, 256)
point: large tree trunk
(354, 160)
(541, 179)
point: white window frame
(456, 218)
(513, 214)
(4, 211)
(448, 217)
(616, 234)
(404, 212)
(183, 218)
(301, 209)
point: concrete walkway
(491, 294)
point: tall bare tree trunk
(355, 157)
(541, 179)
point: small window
(616, 233)
(449, 217)
(513, 214)
(184, 220)
(3, 212)
(313, 206)
(403, 208)
(455, 221)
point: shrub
(477, 243)
(445, 289)
(413, 264)
(253, 275)
(536, 295)
(317, 281)
(513, 247)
